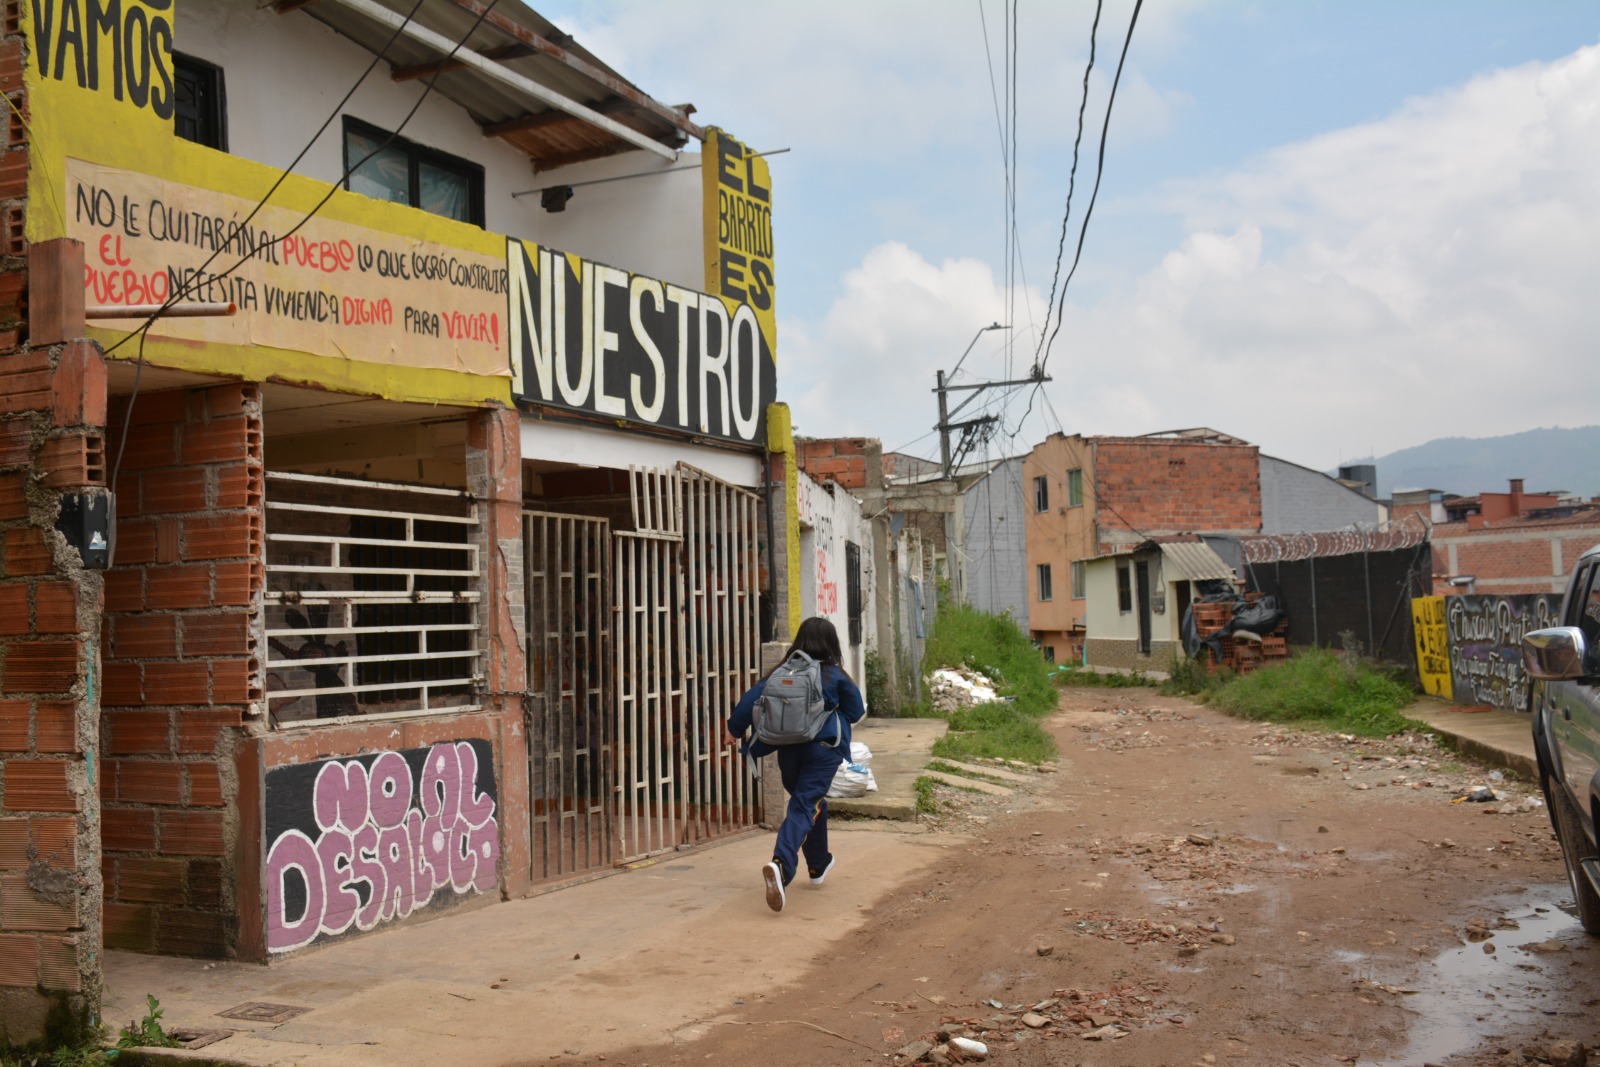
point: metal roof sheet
(525, 43)
(1197, 560)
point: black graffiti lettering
(69, 35)
(138, 61)
(760, 285)
(728, 153)
(420, 321)
(163, 97)
(72, 35)
(105, 18)
(731, 280)
(302, 305)
(97, 205)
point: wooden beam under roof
(544, 120)
(445, 66)
(588, 70)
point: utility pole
(971, 429)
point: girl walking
(807, 768)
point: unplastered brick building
(379, 539)
(1093, 497)
(1511, 542)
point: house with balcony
(387, 426)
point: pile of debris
(961, 687)
(1104, 1015)
(1188, 936)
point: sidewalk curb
(165, 1057)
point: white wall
(284, 74)
(829, 518)
(1105, 622)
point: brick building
(1091, 497)
(410, 584)
(1097, 496)
(1511, 542)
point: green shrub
(1188, 676)
(994, 646)
(1320, 688)
(1068, 677)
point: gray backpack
(791, 711)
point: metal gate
(639, 643)
(722, 651)
(686, 649)
(571, 749)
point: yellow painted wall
(86, 102)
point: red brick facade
(1524, 555)
(1150, 486)
(180, 664)
(52, 440)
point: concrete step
(988, 769)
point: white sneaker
(816, 875)
(772, 875)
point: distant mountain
(1544, 459)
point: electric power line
(1072, 179)
(1100, 170)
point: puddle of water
(1236, 888)
(1345, 955)
(1465, 992)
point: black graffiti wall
(1485, 635)
(354, 843)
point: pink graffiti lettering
(386, 843)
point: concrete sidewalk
(662, 949)
(1500, 738)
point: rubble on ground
(1074, 1014)
(961, 687)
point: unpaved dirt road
(1188, 888)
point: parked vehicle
(1564, 662)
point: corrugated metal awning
(1197, 560)
(528, 46)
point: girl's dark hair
(818, 639)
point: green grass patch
(1067, 677)
(927, 804)
(994, 646)
(1321, 689)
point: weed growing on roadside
(1067, 677)
(995, 646)
(1190, 677)
(1322, 688)
(926, 804)
(148, 1032)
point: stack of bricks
(52, 415)
(181, 664)
(1239, 655)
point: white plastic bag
(854, 777)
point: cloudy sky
(1333, 228)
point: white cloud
(869, 368)
(1430, 274)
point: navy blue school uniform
(807, 769)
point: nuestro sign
(587, 337)
(737, 187)
(327, 287)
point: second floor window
(199, 110)
(1079, 569)
(1075, 488)
(405, 172)
(1045, 591)
(1041, 494)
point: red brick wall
(52, 414)
(1510, 559)
(1161, 486)
(180, 665)
(842, 460)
